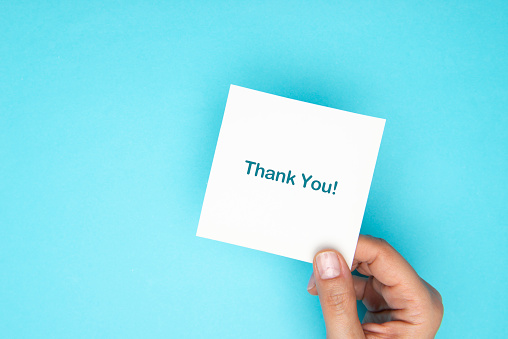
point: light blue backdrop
(109, 116)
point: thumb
(335, 288)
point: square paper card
(289, 177)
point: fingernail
(328, 265)
(312, 282)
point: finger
(392, 329)
(358, 282)
(373, 296)
(375, 257)
(395, 280)
(337, 295)
(311, 286)
(382, 316)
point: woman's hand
(399, 303)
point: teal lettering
(318, 187)
(250, 164)
(260, 168)
(329, 188)
(270, 174)
(283, 176)
(290, 178)
(305, 180)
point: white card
(289, 177)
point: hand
(399, 303)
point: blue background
(109, 117)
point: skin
(399, 303)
